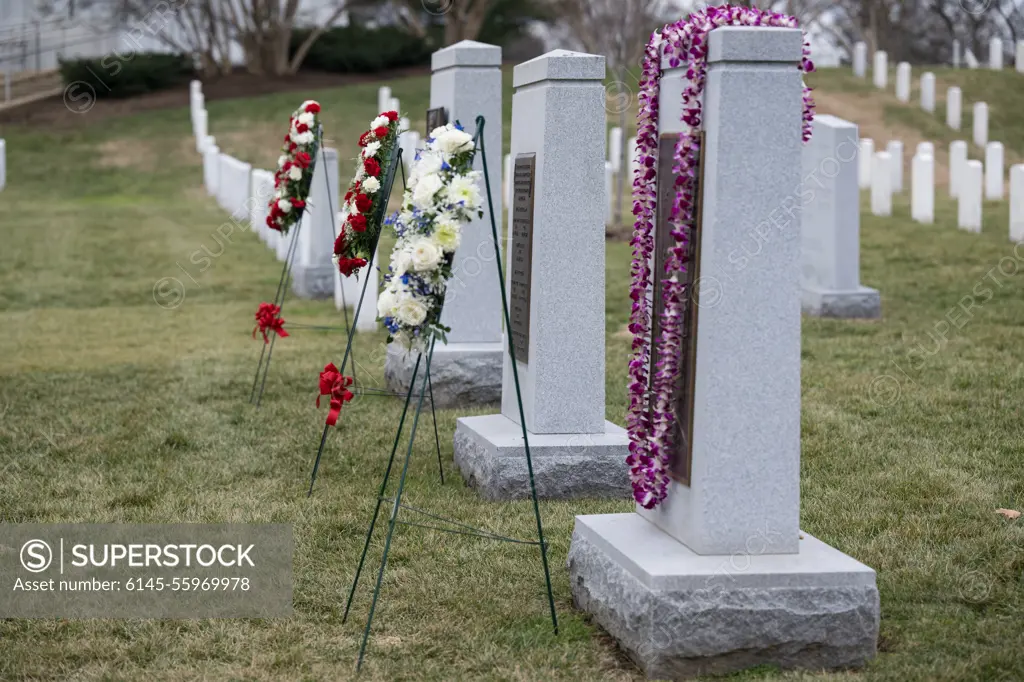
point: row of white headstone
(881, 58)
(969, 182)
(245, 193)
(409, 140)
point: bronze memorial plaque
(522, 253)
(436, 118)
(681, 438)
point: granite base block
(678, 614)
(489, 453)
(313, 282)
(860, 303)
(462, 374)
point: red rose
(271, 223)
(284, 167)
(371, 167)
(312, 108)
(287, 139)
(339, 243)
(358, 222)
(297, 203)
(302, 160)
(391, 115)
(363, 203)
(364, 138)
(301, 128)
(349, 265)
(292, 147)
(381, 132)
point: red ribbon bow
(267, 320)
(334, 384)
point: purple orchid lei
(650, 417)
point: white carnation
(371, 185)
(426, 254)
(306, 118)
(303, 138)
(295, 173)
(282, 160)
(380, 122)
(465, 190)
(284, 205)
(371, 149)
(453, 141)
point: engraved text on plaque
(523, 176)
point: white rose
(411, 312)
(284, 205)
(380, 122)
(426, 188)
(371, 149)
(401, 262)
(438, 132)
(425, 254)
(386, 301)
(371, 185)
(295, 173)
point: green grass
(115, 409)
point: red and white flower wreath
(294, 168)
(361, 209)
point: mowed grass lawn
(117, 407)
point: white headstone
(903, 82)
(348, 292)
(925, 149)
(233, 186)
(383, 99)
(895, 149)
(395, 105)
(260, 192)
(995, 54)
(583, 454)
(634, 160)
(928, 92)
(615, 149)
(211, 166)
(3, 163)
(972, 61)
(969, 207)
(956, 54)
(1018, 61)
(508, 179)
(830, 225)
(980, 124)
(922, 200)
(881, 184)
(954, 107)
(957, 164)
(994, 171)
(865, 156)
(200, 130)
(466, 82)
(860, 59)
(1017, 203)
(403, 124)
(313, 267)
(659, 580)
(880, 72)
